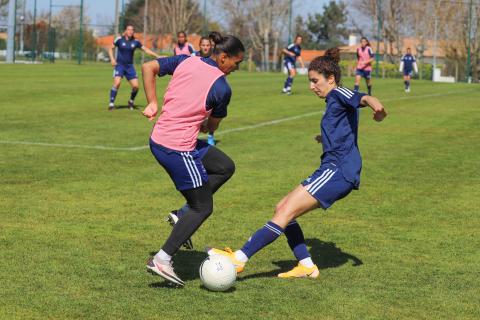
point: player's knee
(229, 168)
(135, 88)
(280, 208)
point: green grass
(77, 225)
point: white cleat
(165, 271)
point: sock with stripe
(296, 241)
(133, 94)
(260, 239)
(369, 90)
(356, 88)
(113, 94)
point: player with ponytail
(337, 175)
(196, 100)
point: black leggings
(219, 168)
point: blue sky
(101, 11)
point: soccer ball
(217, 273)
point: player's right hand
(318, 138)
(114, 63)
(151, 111)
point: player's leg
(287, 86)
(200, 201)
(407, 78)
(322, 188)
(190, 178)
(358, 78)
(296, 203)
(133, 79)
(368, 80)
(113, 91)
(220, 168)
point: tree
(261, 21)
(166, 16)
(328, 29)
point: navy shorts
(363, 73)
(408, 73)
(185, 168)
(289, 65)
(327, 185)
(127, 71)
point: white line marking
(221, 132)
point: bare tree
(259, 21)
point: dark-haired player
(337, 176)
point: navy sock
(369, 90)
(263, 237)
(408, 84)
(288, 83)
(356, 88)
(133, 94)
(113, 94)
(296, 240)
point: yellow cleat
(227, 253)
(300, 271)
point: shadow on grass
(123, 106)
(324, 254)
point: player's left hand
(151, 111)
(318, 138)
(379, 115)
(204, 126)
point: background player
(182, 46)
(408, 64)
(123, 64)
(337, 176)
(197, 91)
(364, 65)
(292, 52)
(206, 51)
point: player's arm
(301, 61)
(415, 67)
(379, 112)
(401, 66)
(149, 73)
(212, 124)
(112, 56)
(150, 52)
(288, 53)
(372, 56)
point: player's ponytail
(327, 65)
(229, 44)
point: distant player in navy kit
(292, 52)
(123, 64)
(408, 64)
(337, 176)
